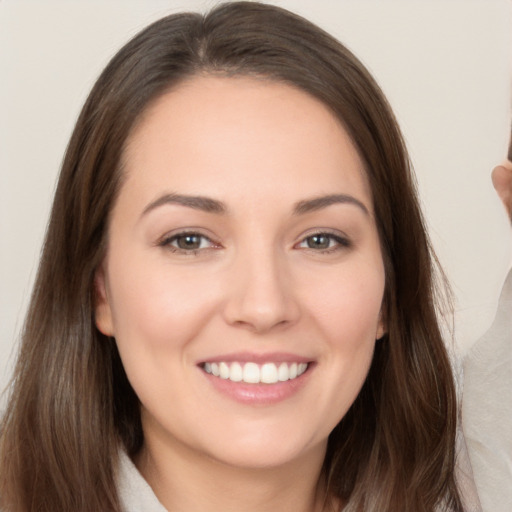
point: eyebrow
(205, 204)
(209, 205)
(317, 203)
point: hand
(502, 181)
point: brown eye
(319, 241)
(187, 242)
(324, 242)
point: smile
(253, 373)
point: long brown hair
(71, 406)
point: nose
(262, 296)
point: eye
(187, 242)
(324, 242)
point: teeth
(252, 373)
(236, 373)
(224, 371)
(269, 373)
(283, 373)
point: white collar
(134, 492)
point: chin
(266, 452)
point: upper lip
(259, 358)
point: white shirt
(134, 492)
(137, 496)
(487, 408)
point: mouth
(254, 373)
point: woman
(236, 287)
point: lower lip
(259, 394)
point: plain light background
(445, 66)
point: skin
(258, 284)
(502, 181)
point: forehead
(222, 135)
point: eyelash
(168, 241)
(340, 243)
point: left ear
(102, 309)
(382, 326)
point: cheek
(157, 314)
(155, 307)
(348, 313)
(348, 304)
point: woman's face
(243, 278)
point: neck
(185, 480)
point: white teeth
(269, 373)
(236, 373)
(224, 371)
(252, 373)
(283, 374)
